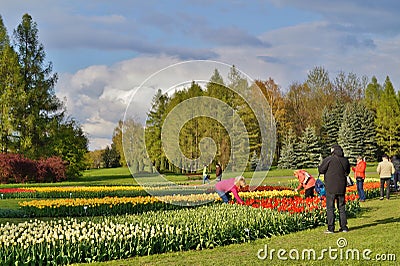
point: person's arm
(393, 170)
(363, 166)
(347, 166)
(236, 195)
(378, 169)
(323, 167)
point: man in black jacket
(335, 168)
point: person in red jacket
(225, 187)
(306, 181)
(359, 175)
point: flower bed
(371, 189)
(74, 192)
(129, 205)
(69, 241)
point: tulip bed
(70, 240)
(129, 205)
(121, 227)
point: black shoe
(343, 230)
(329, 232)
(381, 198)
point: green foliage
(41, 105)
(309, 149)
(388, 120)
(111, 157)
(288, 158)
(331, 122)
(32, 118)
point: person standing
(335, 168)
(225, 187)
(306, 181)
(359, 175)
(218, 172)
(385, 170)
(396, 178)
(205, 175)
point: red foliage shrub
(51, 169)
(15, 168)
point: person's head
(385, 157)
(359, 158)
(296, 173)
(240, 182)
(218, 165)
(337, 150)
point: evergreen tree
(41, 105)
(153, 129)
(309, 154)
(288, 158)
(372, 94)
(254, 161)
(331, 121)
(110, 157)
(368, 132)
(350, 137)
(388, 120)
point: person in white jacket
(385, 170)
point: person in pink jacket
(306, 181)
(225, 187)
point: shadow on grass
(378, 222)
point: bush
(15, 168)
(51, 169)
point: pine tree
(331, 121)
(309, 153)
(350, 137)
(288, 158)
(368, 132)
(153, 129)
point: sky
(103, 51)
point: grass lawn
(376, 229)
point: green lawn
(376, 229)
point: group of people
(335, 169)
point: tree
(372, 94)
(154, 124)
(388, 120)
(274, 96)
(309, 149)
(368, 132)
(68, 141)
(117, 141)
(349, 137)
(11, 92)
(288, 158)
(298, 107)
(133, 140)
(94, 159)
(349, 87)
(110, 157)
(41, 105)
(331, 121)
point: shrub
(15, 168)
